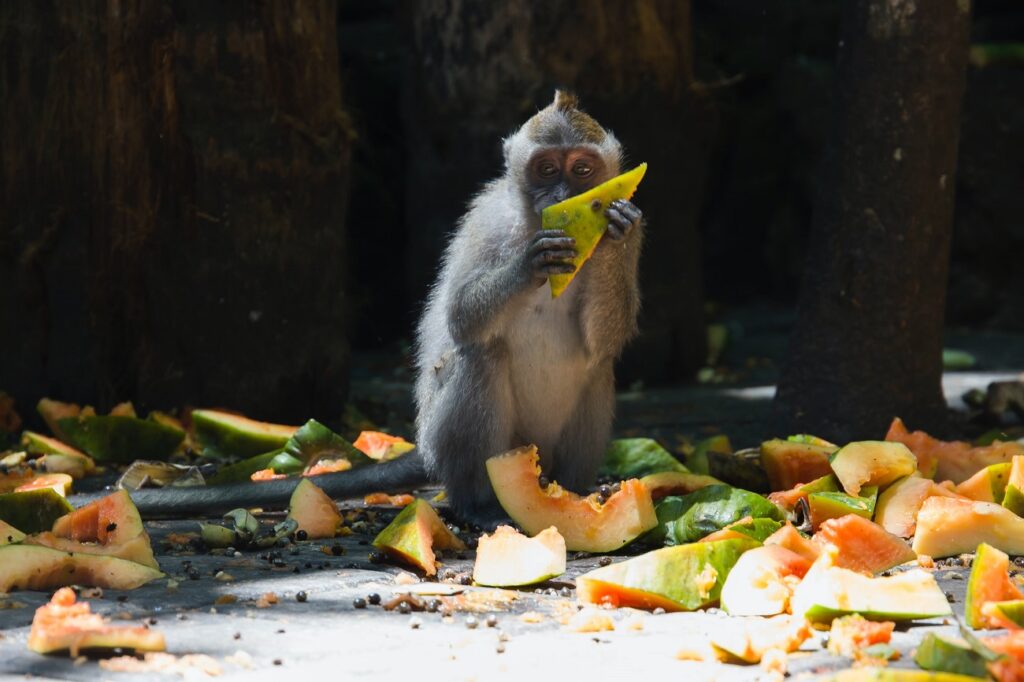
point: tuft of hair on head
(565, 100)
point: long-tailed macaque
(500, 363)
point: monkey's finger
(616, 233)
(553, 256)
(619, 222)
(628, 209)
(557, 269)
(550, 234)
(554, 244)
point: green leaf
(314, 442)
(691, 517)
(637, 457)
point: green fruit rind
(121, 439)
(33, 511)
(1012, 610)
(686, 577)
(871, 463)
(894, 675)
(278, 460)
(34, 567)
(827, 592)
(697, 461)
(942, 654)
(1013, 499)
(988, 485)
(221, 434)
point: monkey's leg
(583, 441)
(467, 421)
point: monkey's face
(557, 173)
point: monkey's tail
(404, 473)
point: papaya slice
(789, 463)
(314, 511)
(948, 526)
(52, 450)
(382, 446)
(954, 460)
(110, 526)
(223, 434)
(827, 592)
(680, 578)
(64, 624)
(10, 535)
(121, 438)
(59, 483)
(414, 534)
(871, 463)
(582, 218)
(989, 582)
(587, 524)
(790, 538)
(946, 654)
(863, 545)
(507, 558)
(988, 485)
(762, 581)
(665, 483)
(1013, 499)
(34, 567)
(33, 511)
(899, 505)
(828, 505)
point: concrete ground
(326, 636)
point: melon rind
(871, 463)
(34, 567)
(586, 524)
(33, 511)
(940, 653)
(582, 218)
(221, 434)
(121, 439)
(989, 581)
(679, 578)
(827, 592)
(988, 485)
(414, 534)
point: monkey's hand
(550, 252)
(623, 218)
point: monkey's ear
(565, 100)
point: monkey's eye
(582, 169)
(547, 169)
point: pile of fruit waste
(843, 539)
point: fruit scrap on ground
(414, 534)
(67, 625)
(507, 558)
(382, 446)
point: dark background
(207, 204)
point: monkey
(499, 362)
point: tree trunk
(174, 186)
(868, 340)
(481, 69)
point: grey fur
(500, 364)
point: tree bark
(481, 69)
(868, 340)
(174, 182)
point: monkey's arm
(481, 293)
(154, 503)
(613, 294)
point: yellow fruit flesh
(582, 218)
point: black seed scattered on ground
(238, 635)
(604, 561)
(373, 598)
(277, 661)
(491, 620)
(359, 603)
(300, 595)
(301, 535)
(404, 607)
(471, 622)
